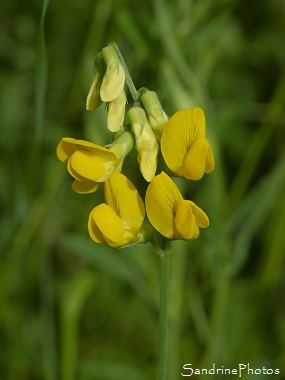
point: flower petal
(87, 165)
(65, 149)
(93, 98)
(161, 197)
(185, 221)
(94, 231)
(198, 123)
(178, 135)
(128, 238)
(90, 166)
(148, 163)
(116, 112)
(124, 199)
(68, 146)
(210, 161)
(86, 187)
(201, 217)
(113, 82)
(74, 174)
(146, 143)
(194, 162)
(108, 222)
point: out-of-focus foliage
(72, 309)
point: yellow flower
(169, 213)
(184, 146)
(91, 164)
(118, 222)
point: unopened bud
(116, 112)
(146, 143)
(156, 116)
(122, 145)
(114, 78)
(93, 100)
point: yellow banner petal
(175, 139)
(68, 146)
(64, 150)
(161, 197)
(198, 123)
(210, 161)
(180, 132)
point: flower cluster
(185, 150)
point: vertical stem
(163, 312)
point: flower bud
(156, 116)
(122, 145)
(146, 143)
(114, 78)
(116, 112)
(93, 100)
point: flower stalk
(163, 314)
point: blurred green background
(71, 309)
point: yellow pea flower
(184, 146)
(169, 213)
(91, 164)
(118, 222)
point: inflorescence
(184, 147)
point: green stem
(129, 81)
(163, 312)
